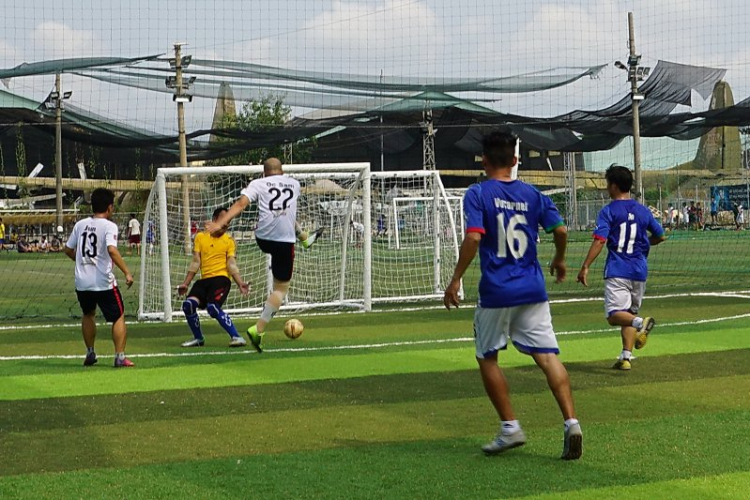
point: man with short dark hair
(214, 256)
(93, 247)
(134, 235)
(624, 226)
(503, 216)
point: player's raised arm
(226, 217)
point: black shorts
(282, 257)
(109, 302)
(211, 291)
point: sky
(434, 38)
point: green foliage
(266, 115)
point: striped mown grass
(385, 405)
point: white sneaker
(504, 442)
(237, 342)
(573, 443)
(194, 343)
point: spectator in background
(23, 247)
(714, 210)
(740, 216)
(670, 216)
(685, 216)
(2, 234)
(698, 216)
(55, 245)
(134, 235)
(44, 245)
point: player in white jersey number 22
(276, 195)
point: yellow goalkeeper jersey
(214, 253)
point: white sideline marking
(741, 294)
(382, 345)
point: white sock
(625, 354)
(510, 426)
(637, 322)
(569, 422)
(269, 311)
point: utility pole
(58, 152)
(569, 165)
(634, 75)
(429, 161)
(180, 98)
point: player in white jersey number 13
(276, 195)
(93, 247)
(503, 216)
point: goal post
(323, 276)
(352, 266)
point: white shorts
(622, 294)
(529, 327)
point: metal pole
(58, 151)
(183, 147)
(636, 118)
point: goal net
(352, 266)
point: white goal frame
(358, 171)
(394, 281)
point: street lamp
(636, 73)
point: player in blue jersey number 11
(503, 216)
(624, 226)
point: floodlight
(638, 97)
(54, 95)
(66, 95)
(634, 60)
(620, 65)
(182, 98)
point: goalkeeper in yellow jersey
(213, 255)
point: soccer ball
(293, 328)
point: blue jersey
(508, 215)
(624, 225)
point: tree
(265, 115)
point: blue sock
(190, 308)
(223, 318)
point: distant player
(2, 234)
(503, 218)
(93, 247)
(134, 235)
(624, 226)
(213, 254)
(150, 236)
(276, 195)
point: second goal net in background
(351, 266)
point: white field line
(235, 352)
(741, 294)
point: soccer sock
(89, 350)
(625, 354)
(637, 322)
(510, 426)
(120, 355)
(569, 422)
(189, 307)
(223, 318)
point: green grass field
(381, 405)
(40, 287)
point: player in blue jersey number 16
(503, 216)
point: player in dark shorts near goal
(214, 255)
(93, 247)
(276, 195)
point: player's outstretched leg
(510, 435)
(190, 308)
(226, 323)
(647, 324)
(318, 233)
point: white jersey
(135, 227)
(276, 196)
(90, 239)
